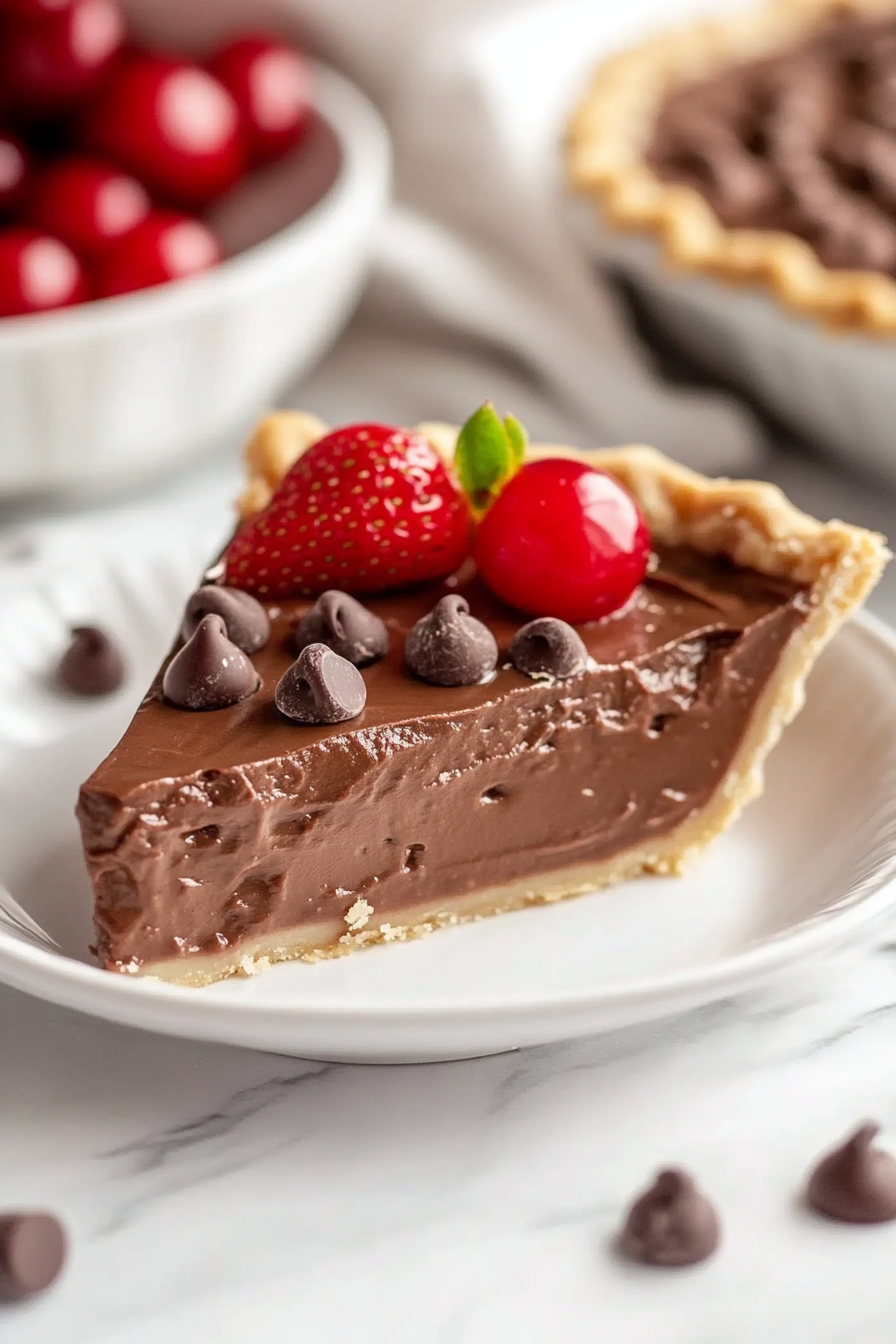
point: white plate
(806, 869)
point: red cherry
(164, 247)
(269, 83)
(565, 540)
(37, 272)
(86, 203)
(170, 124)
(32, 9)
(49, 62)
(14, 169)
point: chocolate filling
(204, 829)
(803, 142)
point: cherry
(166, 246)
(37, 272)
(269, 83)
(50, 62)
(171, 124)
(563, 539)
(32, 9)
(14, 168)
(86, 203)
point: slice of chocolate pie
(314, 772)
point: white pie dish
(98, 397)
(835, 389)
(807, 869)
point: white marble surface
(217, 1195)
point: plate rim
(75, 984)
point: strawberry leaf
(517, 437)
(487, 454)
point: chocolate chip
(91, 665)
(346, 627)
(855, 1183)
(32, 1252)
(672, 1223)
(321, 687)
(209, 672)
(548, 647)
(244, 617)
(449, 647)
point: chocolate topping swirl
(803, 142)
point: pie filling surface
(207, 832)
(802, 142)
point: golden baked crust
(607, 140)
(749, 521)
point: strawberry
(366, 508)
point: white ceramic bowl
(97, 397)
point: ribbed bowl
(98, 397)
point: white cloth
(479, 288)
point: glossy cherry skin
(564, 540)
(86, 203)
(51, 62)
(269, 82)
(32, 9)
(166, 246)
(169, 123)
(37, 272)
(14, 172)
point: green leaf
(518, 438)
(487, 454)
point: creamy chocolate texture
(205, 830)
(804, 142)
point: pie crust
(750, 522)
(609, 134)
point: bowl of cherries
(180, 237)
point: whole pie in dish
(759, 147)
(421, 687)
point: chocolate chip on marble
(209, 672)
(243, 615)
(672, 1223)
(548, 647)
(321, 687)
(33, 1248)
(346, 627)
(92, 664)
(449, 647)
(855, 1183)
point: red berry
(13, 172)
(565, 540)
(269, 83)
(37, 272)
(164, 247)
(366, 508)
(170, 124)
(86, 203)
(32, 9)
(50, 62)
